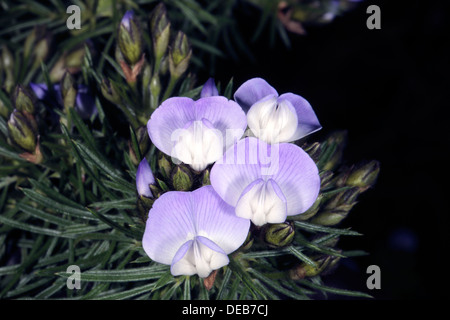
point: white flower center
(198, 144)
(262, 202)
(272, 121)
(201, 257)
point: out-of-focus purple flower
(196, 132)
(275, 118)
(209, 89)
(193, 232)
(144, 178)
(264, 182)
(84, 103)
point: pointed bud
(144, 178)
(165, 167)
(364, 176)
(334, 216)
(68, 90)
(23, 99)
(313, 150)
(160, 30)
(143, 141)
(209, 89)
(206, 181)
(326, 179)
(347, 196)
(130, 38)
(333, 149)
(304, 270)
(311, 212)
(110, 91)
(155, 91)
(22, 130)
(180, 55)
(182, 178)
(279, 234)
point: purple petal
(209, 89)
(126, 19)
(297, 177)
(144, 177)
(307, 119)
(84, 104)
(39, 89)
(252, 91)
(174, 114)
(177, 217)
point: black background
(389, 89)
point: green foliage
(72, 200)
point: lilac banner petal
(144, 177)
(307, 119)
(252, 91)
(201, 217)
(297, 177)
(209, 89)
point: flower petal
(199, 256)
(297, 177)
(262, 202)
(144, 177)
(84, 104)
(307, 119)
(252, 91)
(178, 217)
(209, 89)
(272, 120)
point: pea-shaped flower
(264, 182)
(275, 118)
(193, 232)
(196, 132)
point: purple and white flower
(144, 178)
(193, 232)
(198, 132)
(275, 118)
(266, 182)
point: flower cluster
(256, 176)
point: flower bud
(326, 179)
(165, 167)
(160, 30)
(209, 89)
(179, 55)
(311, 212)
(304, 270)
(334, 216)
(206, 177)
(365, 175)
(279, 234)
(182, 178)
(110, 91)
(333, 149)
(22, 130)
(68, 90)
(23, 99)
(144, 178)
(313, 150)
(37, 44)
(7, 62)
(143, 141)
(130, 38)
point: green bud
(326, 179)
(143, 141)
(37, 44)
(110, 91)
(347, 196)
(331, 156)
(7, 62)
(144, 205)
(23, 99)
(304, 270)
(313, 150)
(165, 167)
(182, 178)
(248, 242)
(22, 130)
(160, 30)
(334, 216)
(179, 55)
(164, 66)
(279, 234)
(68, 90)
(156, 192)
(364, 176)
(205, 178)
(311, 212)
(130, 38)
(155, 91)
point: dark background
(389, 89)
